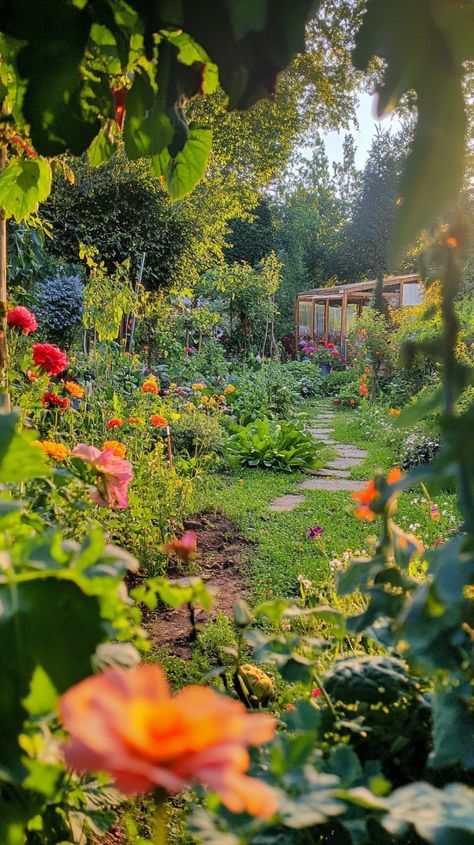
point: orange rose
(126, 723)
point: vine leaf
(23, 185)
(189, 165)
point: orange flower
(371, 492)
(119, 449)
(150, 385)
(157, 420)
(367, 370)
(134, 420)
(363, 390)
(58, 451)
(126, 723)
(74, 389)
(394, 412)
(185, 548)
(115, 422)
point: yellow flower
(198, 385)
(222, 398)
(74, 389)
(120, 450)
(174, 416)
(205, 400)
(173, 386)
(394, 412)
(229, 389)
(58, 451)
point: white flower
(335, 565)
(414, 526)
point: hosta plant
(273, 443)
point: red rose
(329, 346)
(50, 400)
(22, 319)
(52, 359)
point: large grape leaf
(441, 816)
(24, 183)
(19, 460)
(55, 36)
(188, 166)
(49, 623)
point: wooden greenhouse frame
(328, 313)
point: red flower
(22, 319)
(120, 95)
(329, 346)
(50, 400)
(115, 422)
(50, 358)
(185, 548)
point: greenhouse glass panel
(319, 327)
(304, 318)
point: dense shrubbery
(60, 301)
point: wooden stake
(5, 397)
(170, 453)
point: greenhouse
(328, 313)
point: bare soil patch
(221, 565)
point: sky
(362, 136)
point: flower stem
(160, 829)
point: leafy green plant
(273, 443)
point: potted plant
(323, 354)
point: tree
(251, 240)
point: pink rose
(113, 475)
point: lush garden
(236, 569)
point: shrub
(198, 434)
(417, 449)
(60, 303)
(272, 443)
(305, 377)
(336, 380)
(266, 391)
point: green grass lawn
(282, 550)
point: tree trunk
(5, 397)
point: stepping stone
(344, 463)
(286, 503)
(320, 432)
(327, 441)
(331, 484)
(337, 473)
(351, 451)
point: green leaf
(189, 165)
(147, 129)
(19, 460)
(23, 185)
(422, 56)
(101, 149)
(441, 816)
(247, 16)
(48, 623)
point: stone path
(335, 475)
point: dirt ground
(220, 563)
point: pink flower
(316, 692)
(185, 548)
(22, 319)
(113, 475)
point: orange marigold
(126, 723)
(115, 422)
(370, 492)
(150, 385)
(58, 451)
(363, 390)
(394, 412)
(159, 421)
(119, 449)
(74, 389)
